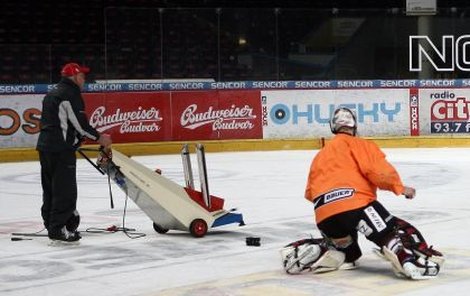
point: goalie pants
(373, 220)
(59, 184)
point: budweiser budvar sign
(232, 118)
(131, 117)
(133, 121)
(179, 116)
(216, 115)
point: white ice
(267, 188)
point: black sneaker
(64, 235)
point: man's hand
(105, 140)
(409, 192)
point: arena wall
(156, 118)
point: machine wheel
(159, 229)
(198, 228)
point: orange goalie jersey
(345, 175)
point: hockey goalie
(342, 185)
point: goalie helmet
(343, 117)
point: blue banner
(263, 85)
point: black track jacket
(63, 119)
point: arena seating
(145, 39)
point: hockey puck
(253, 241)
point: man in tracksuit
(63, 126)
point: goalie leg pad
(298, 257)
(308, 255)
(416, 269)
(413, 240)
(329, 261)
(390, 256)
(410, 255)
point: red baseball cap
(72, 69)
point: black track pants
(59, 184)
(373, 220)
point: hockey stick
(29, 234)
(20, 236)
(99, 169)
(80, 150)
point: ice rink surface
(267, 188)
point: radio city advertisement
(445, 111)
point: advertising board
(131, 117)
(306, 113)
(153, 112)
(445, 111)
(211, 115)
(19, 120)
